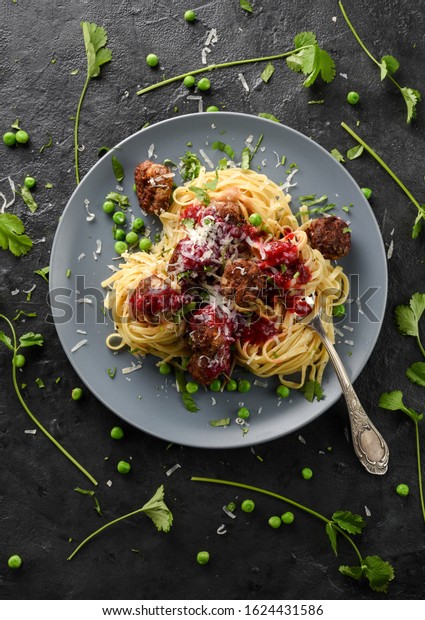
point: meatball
(242, 281)
(204, 369)
(153, 186)
(330, 235)
(227, 211)
(154, 301)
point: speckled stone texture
(41, 44)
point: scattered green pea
(76, 394)
(288, 518)
(247, 505)
(29, 182)
(283, 391)
(108, 206)
(243, 413)
(215, 385)
(19, 361)
(9, 138)
(367, 192)
(192, 387)
(189, 81)
(22, 137)
(232, 386)
(119, 234)
(145, 245)
(353, 97)
(275, 522)
(152, 60)
(244, 385)
(165, 368)
(204, 84)
(14, 562)
(255, 219)
(403, 490)
(307, 473)
(119, 218)
(137, 224)
(203, 557)
(117, 432)
(120, 247)
(190, 16)
(123, 467)
(338, 310)
(213, 108)
(134, 187)
(132, 238)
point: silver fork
(368, 443)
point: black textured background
(39, 510)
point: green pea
(403, 490)
(117, 432)
(19, 361)
(288, 517)
(132, 238)
(204, 84)
(189, 81)
(134, 187)
(244, 385)
(307, 473)
(192, 387)
(14, 561)
(108, 206)
(190, 16)
(232, 386)
(165, 368)
(9, 138)
(248, 505)
(213, 108)
(275, 522)
(145, 245)
(120, 247)
(353, 97)
(215, 385)
(29, 182)
(283, 391)
(338, 310)
(22, 137)
(119, 218)
(123, 467)
(76, 393)
(119, 234)
(367, 192)
(203, 557)
(152, 60)
(243, 413)
(255, 219)
(137, 224)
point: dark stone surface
(39, 510)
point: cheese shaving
(132, 368)
(6, 204)
(79, 344)
(172, 469)
(243, 81)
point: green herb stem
(222, 65)
(31, 415)
(380, 161)
(418, 458)
(76, 124)
(288, 501)
(356, 36)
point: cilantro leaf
(267, 72)
(12, 235)
(337, 155)
(212, 185)
(226, 148)
(312, 390)
(118, 169)
(378, 572)
(27, 197)
(246, 6)
(351, 523)
(389, 66)
(411, 97)
(158, 511)
(305, 38)
(191, 166)
(312, 60)
(6, 340)
(245, 158)
(356, 572)
(355, 151)
(122, 201)
(189, 403)
(30, 339)
(44, 273)
(200, 194)
(408, 317)
(270, 117)
(393, 401)
(416, 373)
(220, 422)
(332, 534)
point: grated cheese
(82, 255)
(172, 469)
(262, 384)
(222, 529)
(98, 246)
(84, 300)
(79, 344)
(30, 431)
(207, 159)
(390, 249)
(212, 37)
(229, 513)
(30, 290)
(151, 150)
(132, 368)
(15, 291)
(81, 331)
(90, 216)
(243, 81)
(7, 204)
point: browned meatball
(331, 236)
(204, 369)
(154, 301)
(153, 186)
(227, 211)
(242, 281)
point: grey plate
(144, 398)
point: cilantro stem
(32, 416)
(76, 124)
(380, 161)
(418, 458)
(222, 65)
(310, 511)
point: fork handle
(369, 445)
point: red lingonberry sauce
(257, 332)
(156, 303)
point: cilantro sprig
(345, 524)
(307, 57)
(12, 235)
(31, 339)
(156, 509)
(387, 67)
(393, 401)
(407, 318)
(95, 39)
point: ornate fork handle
(368, 443)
